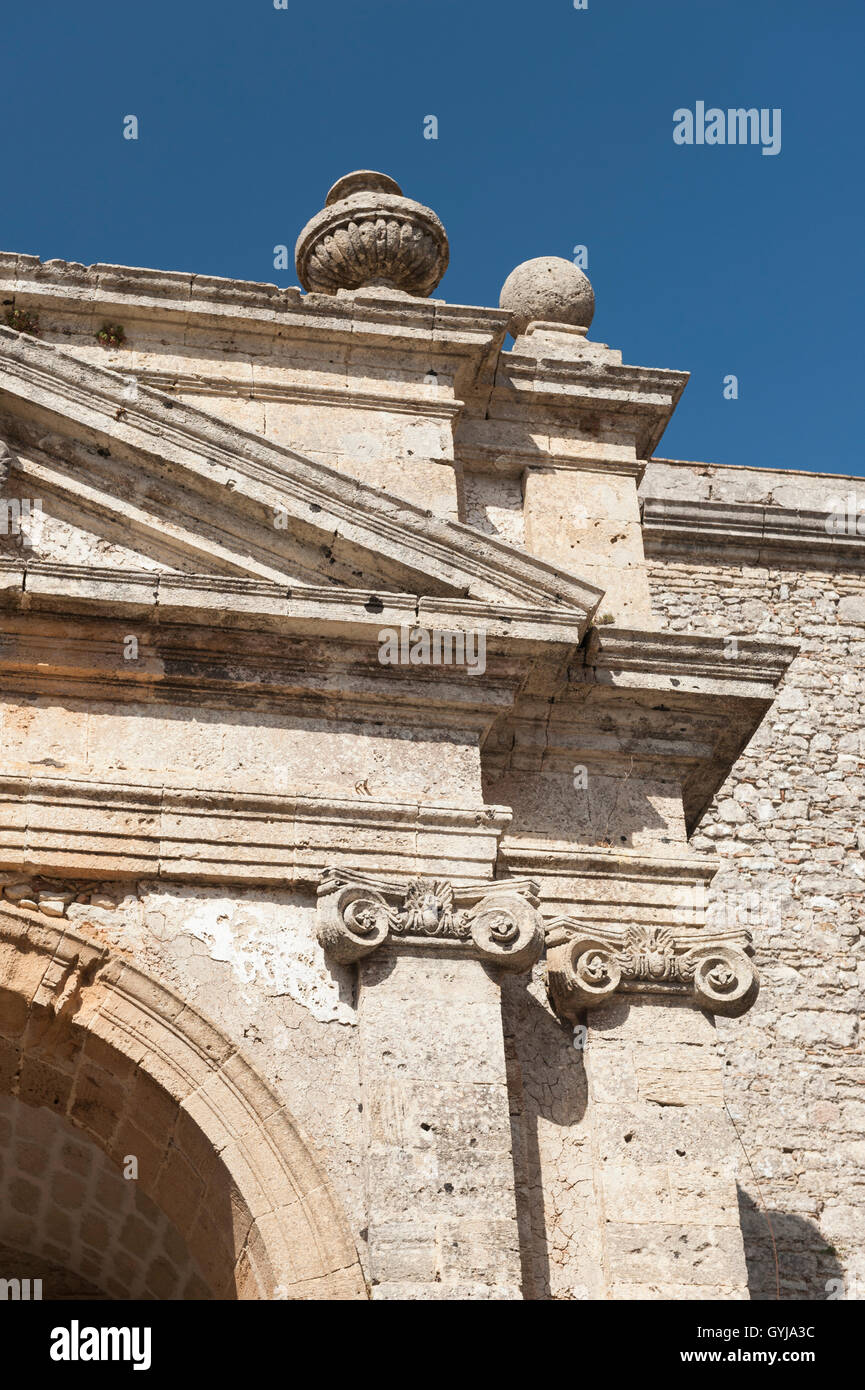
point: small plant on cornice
(111, 335)
(23, 321)
(606, 618)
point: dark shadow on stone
(546, 1081)
(808, 1268)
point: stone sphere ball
(548, 288)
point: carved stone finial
(369, 234)
(496, 922)
(549, 289)
(585, 968)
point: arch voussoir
(86, 1033)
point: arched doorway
(100, 1065)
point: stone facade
(377, 776)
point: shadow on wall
(547, 1087)
(808, 1268)
(559, 1239)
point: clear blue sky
(555, 129)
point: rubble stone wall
(788, 828)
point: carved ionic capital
(495, 922)
(587, 967)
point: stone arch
(89, 1035)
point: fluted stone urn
(369, 234)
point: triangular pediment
(160, 479)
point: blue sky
(555, 129)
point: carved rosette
(369, 234)
(586, 969)
(495, 922)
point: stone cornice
(431, 404)
(754, 533)
(683, 663)
(217, 602)
(723, 692)
(177, 288)
(670, 707)
(319, 659)
(513, 462)
(614, 865)
(251, 303)
(586, 386)
(471, 337)
(207, 460)
(612, 889)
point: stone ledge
(757, 533)
(77, 828)
(265, 606)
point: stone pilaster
(665, 1153)
(440, 1180)
(588, 520)
(664, 1150)
(441, 1206)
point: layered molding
(432, 404)
(73, 301)
(721, 694)
(299, 652)
(497, 923)
(477, 457)
(671, 708)
(684, 662)
(614, 887)
(587, 383)
(750, 533)
(256, 605)
(587, 967)
(202, 478)
(81, 828)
